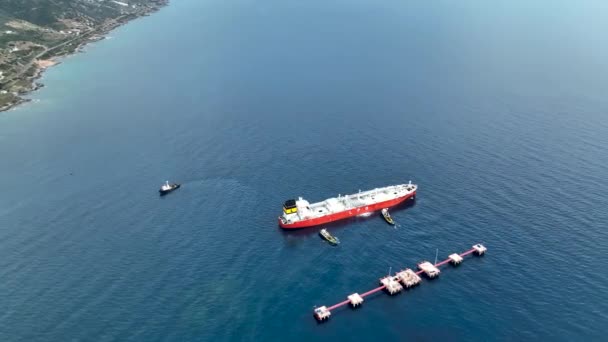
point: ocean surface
(497, 110)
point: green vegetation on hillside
(33, 31)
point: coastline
(51, 56)
(40, 67)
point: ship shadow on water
(341, 224)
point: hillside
(33, 32)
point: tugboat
(330, 238)
(167, 188)
(387, 217)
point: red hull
(345, 214)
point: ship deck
(357, 200)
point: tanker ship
(301, 214)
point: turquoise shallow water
(498, 112)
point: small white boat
(330, 238)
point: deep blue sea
(498, 110)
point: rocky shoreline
(33, 85)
